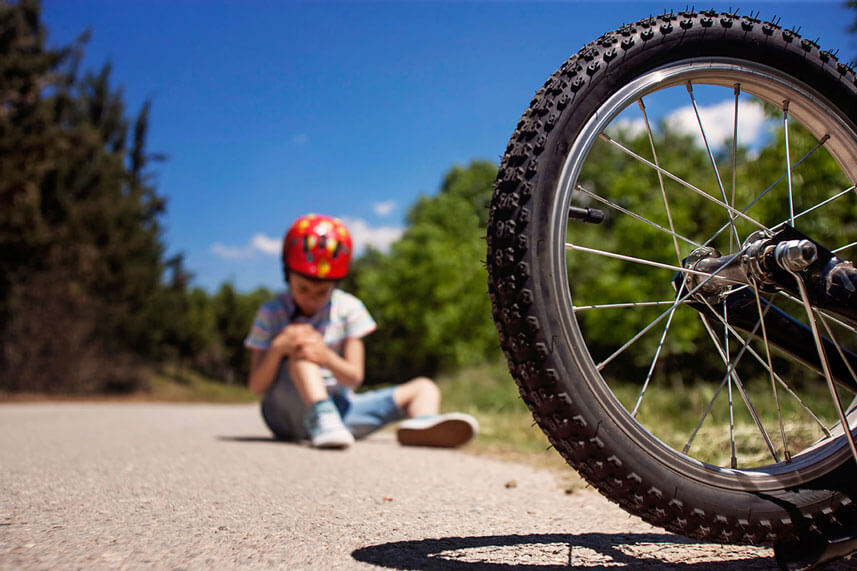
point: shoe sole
(332, 445)
(338, 441)
(445, 434)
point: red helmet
(317, 246)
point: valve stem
(588, 215)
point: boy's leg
(283, 409)
(323, 422)
(307, 379)
(368, 411)
(418, 397)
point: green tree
(81, 261)
(233, 315)
(428, 293)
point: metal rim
(815, 113)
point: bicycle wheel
(605, 200)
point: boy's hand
(292, 337)
(313, 348)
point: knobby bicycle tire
(538, 332)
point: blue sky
(267, 110)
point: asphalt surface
(204, 487)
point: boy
(308, 356)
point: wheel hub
(717, 286)
(774, 262)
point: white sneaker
(444, 430)
(325, 427)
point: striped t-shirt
(344, 316)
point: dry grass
(175, 385)
(508, 432)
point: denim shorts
(363, 413)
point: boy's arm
(349, 369)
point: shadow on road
(382, 438)
(268, 439)
(552, 551)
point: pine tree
(80, 246)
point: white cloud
(258, 243)
(363, 235)
(629, 128)
(267, 245)
(230, 252)
(718, 123)
(384, 208)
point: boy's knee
(420, 390)
(426, 386)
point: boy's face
(310, 295)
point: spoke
(730, 373)
(570, 246)
(629, 304)
(810, 209)
(788, 172)
(656, 356)
(682, 182)
(772, 185)
(845, 247)
(740, 386)
(825, 365)
(786, 452)
(660, 178)
(729, 366)
(788, 160)
(705, 413)
(779, 379)
(836, 344)
(733, 376)
(824, 313)
(612, 204)
(712, 161)
(734, 160)
(746, 347)
(658, 319)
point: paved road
(203, 486)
